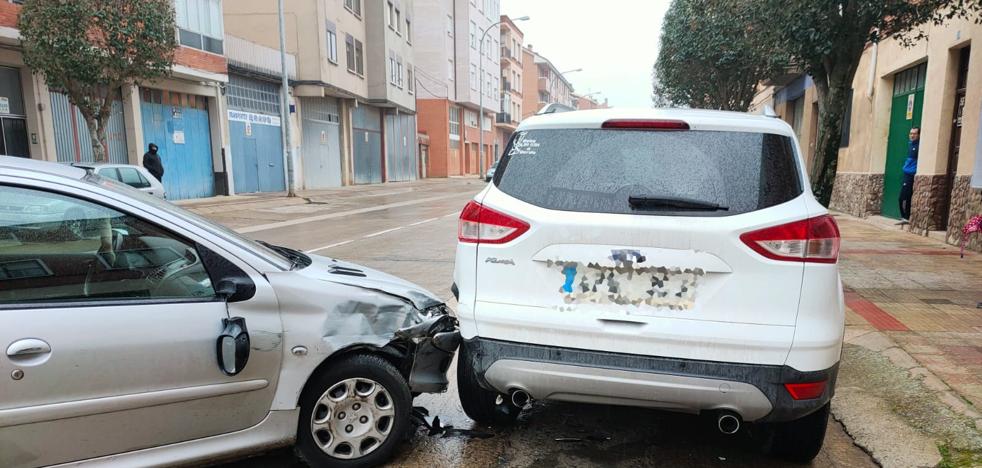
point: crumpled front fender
(429, 349)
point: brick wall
(8, 14)
(200, 60)
(432, 118)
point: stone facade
(857, 193)
(965, 203)
(927, 206)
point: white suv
(659, 258)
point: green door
(905, 113)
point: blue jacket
(910, 165)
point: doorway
(954, 146)
(13, 117)
(905, 114)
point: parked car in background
(134, 176)
(146, 335)
(490, 173)
(667, 259)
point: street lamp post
(285, 107)
(480, 77)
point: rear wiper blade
(640, 202)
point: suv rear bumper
(756, 392)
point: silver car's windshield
(267, 253)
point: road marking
(340, 214)
(455, 213)
(376, 234)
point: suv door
(109, 326)
(632, 243)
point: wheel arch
(389, 353)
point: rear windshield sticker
(523, 145)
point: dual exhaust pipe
(728, 422)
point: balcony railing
(505, 85)
(503, 117)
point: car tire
(479, 403)
(800, 440)
(361, 395)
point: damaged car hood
(352, 274)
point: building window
(450, 25)
(410, 82)
(392, 68)
(332, 45)
(409, 31)
(473, 76)
(398, 22)
(253, 95)
(473, 35)
(450, 73)
(471, 117)
(454, 123)
(390, 15)
(399, 76)
(199, 24)
(355, 55)
(353, 6)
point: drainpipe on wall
(872, 73)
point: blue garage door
(367, 136)
(178, 124)
(400, 147)
(257, 139)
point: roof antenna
(769, 112)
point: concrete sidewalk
(911, 376)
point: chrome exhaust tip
(520, 398)
(728, 423)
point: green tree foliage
(827, 39)
(89, 48)
(710, 55)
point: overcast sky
(614, 42)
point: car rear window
(599, 170)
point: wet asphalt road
(416, 241)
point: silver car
(146, 335)
(134, 176)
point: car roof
(11, 164)
(696, 118)
(95, 165)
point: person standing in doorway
(910, 168)
(152, 163)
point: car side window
(132, 177)
(110, 173)
(55, 248)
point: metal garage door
(367, 137)
(400, 147)
(178, 124)
(256, 134)
(321, 155)
(72, 141)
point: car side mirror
(235, 289)
(233, 346)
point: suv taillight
(814, 240)
(481, 225)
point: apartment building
(183, 114)
(352, 97)
(549, 83)
(587, 102)
(936, 86)
(457, 73)
(512, 41)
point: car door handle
(28, 347)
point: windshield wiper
(296, 257)
(682, 204)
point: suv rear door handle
(28, 347)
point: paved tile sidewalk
(921, 295)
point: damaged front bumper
(426, 350)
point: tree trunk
(97, 134)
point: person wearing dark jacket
(151, 161)
(910, 168)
